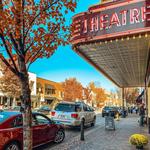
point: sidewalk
(99, 139)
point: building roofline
(47, 80)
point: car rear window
(45, 108)
(67, 107)
(108, 108)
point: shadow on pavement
(67, 129)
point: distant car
(44, 110)
(72, 113)
(106, 111)
(16, 108)
(11, 130)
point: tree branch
(8, 52)
(38, 16)
(8, 65)
(37, 52)
(15, 45)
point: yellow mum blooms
(138, 140)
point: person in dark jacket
(142, 115)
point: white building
(33, 84)
(10, 101)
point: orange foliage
(87, 94)
(131, 95)
(73, 89)
(33, 29)
(100, 95)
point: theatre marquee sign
(112, 21)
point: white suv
(71, 114)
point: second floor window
(49, 89)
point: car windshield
(45, 108)
(4, 116)
(67, 107)
(16, 108)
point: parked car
(11, 130)
(15, 108)
(72, 113)
(44, 110)
(109, 111)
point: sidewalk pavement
(100, 139)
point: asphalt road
(73, 132)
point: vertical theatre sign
(96, 23)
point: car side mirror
(51, 122)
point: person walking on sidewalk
(136, 109)
(142, 115)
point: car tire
(12, 146)
(93, 123)
(59, 137)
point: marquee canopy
(114, 38)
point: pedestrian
(136, 109)
(142, 115)
(131, 109)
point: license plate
(62, 117)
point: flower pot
(140, 147)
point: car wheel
(93, 123)
(12, 146)
(59, 137)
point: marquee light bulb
(146, 35)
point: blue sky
(65, 63)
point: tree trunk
(26, 106)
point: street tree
(31, 29)
(73, 89)
(131, 95)
(99, 93)
(9, 83)
(101, 96)
(87, 94)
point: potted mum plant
(138, 140)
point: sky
(65, 63)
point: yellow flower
(138, 139)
